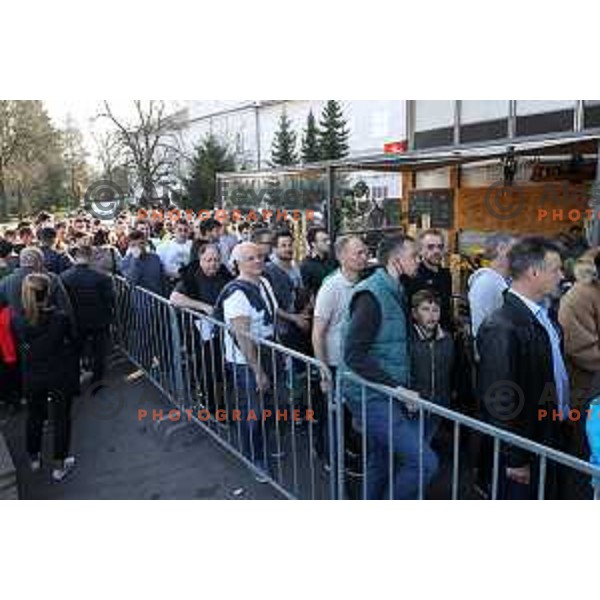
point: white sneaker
(260, 475)
(261, 478)
(35, 462)
(68, 465)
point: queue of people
(389, 322)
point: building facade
(249, 126)
(556, 179)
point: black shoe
(98, 387)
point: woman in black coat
(48, 354)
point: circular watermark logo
(104, 199)
(101, 400)
(501, 206)
(504, 400)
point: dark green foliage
(283, 150)
(333, 135)
(211, 157)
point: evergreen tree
(211, 158)
(333, 137)
(310, 140)
(283, 150)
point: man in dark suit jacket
(521, 369)
(93, 299)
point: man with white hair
(249, 307)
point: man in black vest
(249, 308)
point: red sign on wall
(395, 147)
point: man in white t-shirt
(330, 307)
(175, 253)
(249, 309)
(332, 301)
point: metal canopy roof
(560, 143)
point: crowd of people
(389, 320)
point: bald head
(32, 257)
(352, 254)
(249, 259)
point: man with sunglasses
(432, 275)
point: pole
(258, 135)
(331, 202)
(594, 231)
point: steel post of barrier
(456, 461)
(501, 438)
(162, 341)
(338, 466)
(285, 448)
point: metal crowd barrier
(400, 415)
(146, 329)
(182, 353)
(294, 418)
(326, 453)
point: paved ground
(120, 457)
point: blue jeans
(253, 442)
(405, 450)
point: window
(434, 123)
(591, 113)
(544, 116)
(433, 179)
(482, 120)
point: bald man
(249, 308)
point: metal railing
(146, 329)
(337, 445)
(400, 414)
(183, 353)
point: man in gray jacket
(31, 260)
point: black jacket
(92, 296)
(439, 282)
(48, 353)
(314, 270)
(432, 366)
(54, 261)
(196, 285)
(515, 375)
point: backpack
(8, 345)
